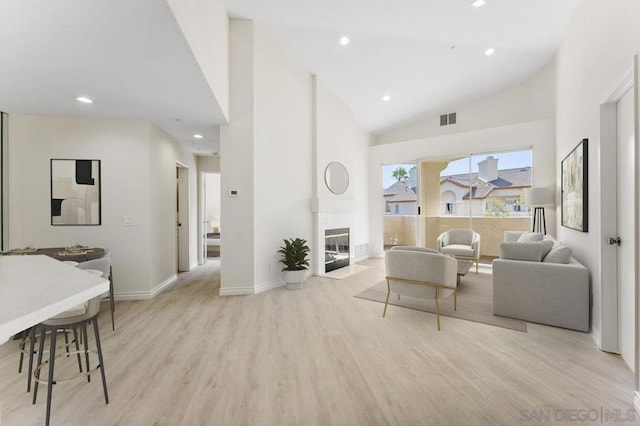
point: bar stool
(79, 316)
(112, 300)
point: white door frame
(202, 218)
(608, 338)
(636, 92)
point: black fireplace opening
(336, 248)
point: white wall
(236, 166)
(595, 54)
(283, 157)
(205, 25)
(340, 138)
(533, 100)
(269, 152)
(164, 153)
(129, 188)
(537, 134)
(208, 164)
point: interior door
(625, 190)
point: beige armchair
(420, 274)
(460, 243)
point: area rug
(475, 302)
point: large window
(400, 203)
(399, 183)
(486, 185)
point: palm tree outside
(400, 174)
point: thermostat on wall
(233, 193)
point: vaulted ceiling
(428, 56)
(132, 59)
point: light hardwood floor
(317, 356)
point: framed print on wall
(575, 189)
(75, 192)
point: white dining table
(35, 288)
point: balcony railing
(401, 230)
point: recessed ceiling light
(84, 100)
(478, 3)
(386, 98)
(197, 136)
(344, 40)
(490, 51)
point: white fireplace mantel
(328, 220)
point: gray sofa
(555, 294)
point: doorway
(212, 219)
(182, 218)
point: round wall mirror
(336, 177)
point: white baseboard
(595, 335)
(360, 259)
(244, 291)
(236, 291)
(146, 295)
(270, 286)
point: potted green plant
(294, 258)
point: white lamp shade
(539, 197)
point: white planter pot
(294, 279)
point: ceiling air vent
(446, 119)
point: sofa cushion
(530, 237)
(457, 250)
(559, 254)
(460, 236)
(522, 251)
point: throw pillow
(522, 251)
(512, 236)
(558, 254)
(547, 245)
(530, 237)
